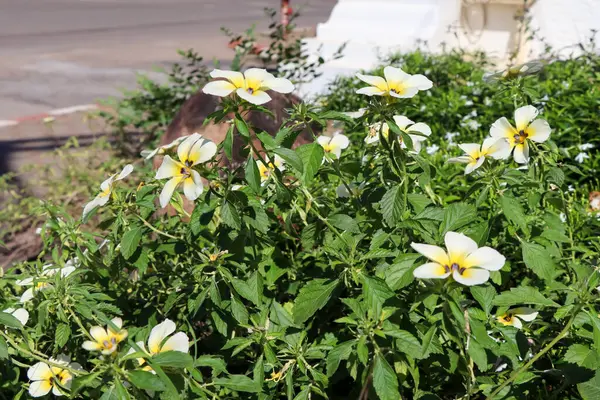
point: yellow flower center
(109, 344)
(397, 88)
(520, 137)
(105, 193)
(328, 148)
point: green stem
(149, 225)
(549, 346)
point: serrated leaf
(539, 260)
(240, 383)
(146, 380)
(242, 127)
(173, 359)
(267, 140)
(376, 292)
(230, 216)
(344, 222)
(3, 349)
(62, 334)
(251, 289)
(484, 296)
(130, 242)
(385, 381)
(312, 157)
(582, 355)
(513, 211)
(391, 205)
(590, 390)
(252, 175)
(406, 342)
(523, 295)
(457, 215)
(400, 274)
(239, 312)
(9, 321)
(340, 352)
(215, 363)
(290, 157)
(312, 297)
(228, 143)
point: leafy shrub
(294, 275)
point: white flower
(106, 188)
(334, 144)
(487, 102)
(562, 217)
(45, 378)
(106, 340)
(466, 263)
(250, 86)
(471, 124)
(515, 317)
(528, 68)
(397, 83)
(265, 171)
(450, 138)
(148, 154)
(41, 283)
(20, 314)
(475, 154)
(581, 157)
(356, 114)
(528, 128)
(417, 132)
(586, 146)
(157, 344)
(192, 151)
(431, 150)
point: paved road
(59, 53)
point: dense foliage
(294, 276)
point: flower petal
(516, 322)
(168, 189)
(280, 85)
(92, 205)
(461, 159)
(27, 295)
(420, 82)
(219, 88)
(395, 75)
(539, 131)
(192, 186)
(98, 333)
(524, 115)
(39, 371)
(339, 141)
(128, 169)
(431, 271)
(474, 164)
(527, 314)
(472, 149)
(159, 333)
(371, 91)
(459, 246)
(39, 388)
(234, 77)
(420, 127)
(258, 97)
(375, 81)
(521, 154)
(502, 129)
(407, 93)
(177, 342)
(487, 258)
(323, 140)
(21, 314)
(402, 121)
(202, 151)
(257, 74)
(434, 253)
(91, 346)
(185, 147)
(118, 322)
(169, 168)
(498, 149)
(472, 276)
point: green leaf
(63, 332)
(242, 127)
(230, 216)
(250, 290)
(344, 222)
(478, 354)
(267, 140)
(538, 259)
(291, 158)
(376, 292)
(400, 274)
(513, 211)
(590, 390)
(582, 355)
(523, 295)
(427, 347)
(10, 321)
(392, 205)
(239, 312)
(340, 352)
(228, 143)
(456, 216)
(146, 380)
(385, 381)
(405, 342)
(240, 383)
(253, 175)
(484, 296)
(3, 349)
(312, 157)
(173, 359)
(418, 201)
(336, 115)
(556, 175)
(130, 242)
(362, 350)
(215, 363)
(312, 297)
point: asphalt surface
(60, 53)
